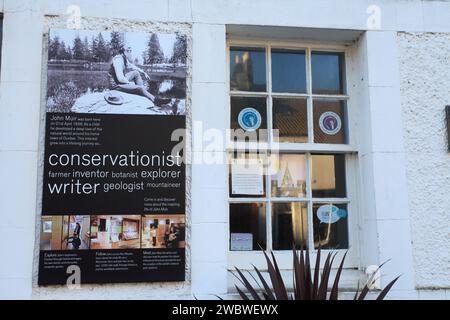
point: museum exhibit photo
(65, 232)
(163, 231)
(115, 232)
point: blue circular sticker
(249, 119)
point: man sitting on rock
(126, 77)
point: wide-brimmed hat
(113, 97)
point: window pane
(330, 226)
(288, 71)
(329, 121)
(289, 225)
(247, 69)
(288, 175)
(247, 175)
(249, 115)
(290, 117)
(328, 176)
(247, 226)
(327, 77)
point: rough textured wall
(425, 90)
(163, 290)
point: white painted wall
(425, 90)
(20, 95)
(388, 210)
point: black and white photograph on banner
(116, 72)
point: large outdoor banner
(113, 206)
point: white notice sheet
(247, 178)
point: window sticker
(330, 123)
(250, 119)
(330, 214)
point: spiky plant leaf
(268, 292)
(279, 277)
(305, 287)
(385, 291)
(357, 291)
(322, 292)
(242, 294)
(315, 284)
(335, 289)
(278, 286)
(308, 281)
(365, 290)
(248, 286)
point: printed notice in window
(241, 242)
(247, 177)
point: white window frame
(245, 259)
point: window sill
(292, 147)
(245, 260)
(348, 282)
